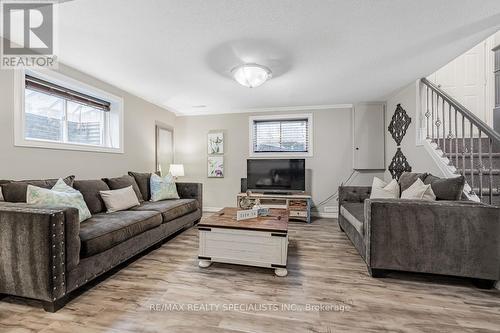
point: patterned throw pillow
(61, 186)
(42, 196)
(163, 188)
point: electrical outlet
(330, 209)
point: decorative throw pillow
(61, 186)
(122, 182)
(409, 178)
(1, 194)
(143, 180)
(446, 188)
(383, 190)
(42, 196)
(419, 191)
(163, 188)
(90, 191)
(122, 199)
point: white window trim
(307, 116)
(63, 80)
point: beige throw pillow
(122, 199)
(382, 190)
(419, 191)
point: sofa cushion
(123, 182)
(170, 209)
(407, 179)
(103, 231)
(446, 188)
(354, 212)
(15, 191)
(143, 181)
(90, 191)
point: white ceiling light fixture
(251, 75)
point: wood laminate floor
(324, 269)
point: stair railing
(449, 123)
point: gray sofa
(46, 254)
(459, 238)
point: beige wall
(417, 156)
(330, 165)
(139, 139)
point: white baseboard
(332, 214)
(211, 209)
(325, 215)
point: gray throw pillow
(446, 188)
(407, 179)
(15, 191)
(90, 190)
(123, 182)
(143, 181)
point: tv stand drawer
(297, 213)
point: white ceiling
(179, 53)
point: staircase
(465, 142)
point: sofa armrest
(441, 237)
(191, 191)
(38, 245)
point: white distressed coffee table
(261, 241)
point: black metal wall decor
(399, 164)
(399, 124)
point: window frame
(278, 154)
(116, 110)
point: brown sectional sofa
(46, 254)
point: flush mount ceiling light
(251, 75)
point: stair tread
(484, 170)
(494, 155)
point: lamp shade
(177, 170)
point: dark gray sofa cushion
(15, 191)
(446, 188)
(408, 178)
(354, 213)
(122, 182)
(105, 230)
(170, 209)
(90, 191)
(143, 181)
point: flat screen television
(276, 175)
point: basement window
(60, 113)
(281, 136)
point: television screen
(276, 175)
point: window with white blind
(57, 112)
(284, 135)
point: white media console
(298, 205)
